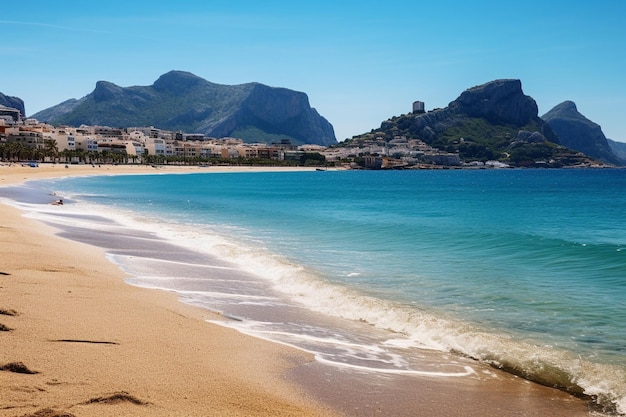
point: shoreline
(11, 174)
(162, 352)
(103, 347)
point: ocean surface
(382, 271)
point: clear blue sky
(360, 62)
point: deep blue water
(525, 269)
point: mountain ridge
(182, 101)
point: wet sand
(101, 347)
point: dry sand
(100, 347)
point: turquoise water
(524, 269)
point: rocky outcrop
(276, 110)
(499, 101)
(577, 132)
(524, 136)
(106, 91)
(13, 102)
(183, 101)
(618, 148)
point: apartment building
(27, 138)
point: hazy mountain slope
(577, 132)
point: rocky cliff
(13, 102)
(618, 148)
(499, 102)
(492, 121)
(577, 132)
(182, 101)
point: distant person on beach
(59, 202)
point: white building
(156, 146)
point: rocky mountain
(181, 101)
(618, 148)
(499, 102)
(493, 121)
(13, 102)
(58, 111)
(577, 132)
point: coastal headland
(78, 341)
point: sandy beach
(77, 340)
(100, 347)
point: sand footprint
(18, 368)
(49, 412)
(5, 312)
(116, 398)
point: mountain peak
(567, 105)
(566, 110)
(106, 91)
(577, 132)
(499, 101)
(177, 81)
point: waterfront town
(31, 140)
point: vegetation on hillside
(476, 139)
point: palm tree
(14, 149)
(66, 154)
(50, 149)
(82, 155)
(93, 157)
(26, 153)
